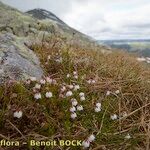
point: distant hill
(139, 46)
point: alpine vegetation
(83, 92)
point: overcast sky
(101, 19)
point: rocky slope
(62, 27)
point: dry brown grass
(51, 119)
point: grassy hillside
(106, 95)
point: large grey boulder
(16, 60)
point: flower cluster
(38, 85)
(70, 90)
(82, 96)
(75, 107)
(86, 143)
(114, 117)
(115, 92)
(37, 96)
(49, 94)
(74, 75)
(91, 81)
(98, 107)
(69, 93)
(128, 136)
(18, 114)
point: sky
(100, 19)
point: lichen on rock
(17, 60)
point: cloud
(115, 19)
(101, 19)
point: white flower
(73, 115)
(37, 96)
(76, 76)
(75, 73)
(76, 87)
(108, 93)
(49, 80)
(114, 117)
(69, 93)
(81, 94)
(70, 86)
(33, 78)
(82, 98)
(93, 81)
(98, 104)
(37, 86)
(18, 114)
(89, 81)
(117, 92)
(86, 143)
(97, 109)
(127, 136)
(68, 75)
(80, 108)
(63, 89)
(42, 81)
(49, 57)
(91, 138)
(74, 102)
(48, 94)
(73, 109)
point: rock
(17, 61)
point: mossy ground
(49, 118)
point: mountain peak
(44, 14)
